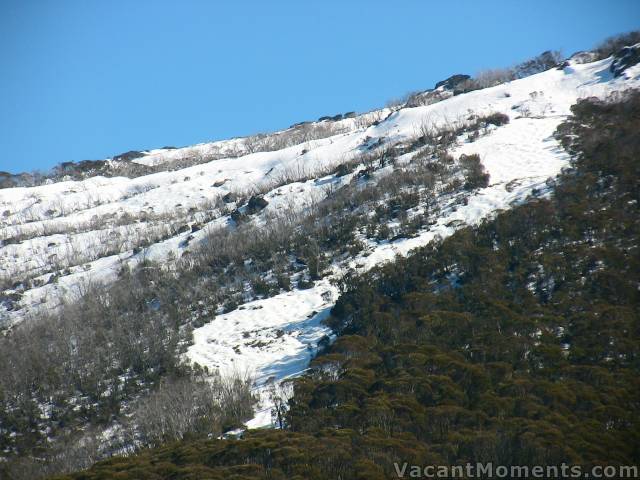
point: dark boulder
(453, 81)
(128, 156)
(625, 58)
(300, 124)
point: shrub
(344, 169)
(255, 204)
(230, 305)
(498, 119)
(261, 287)
(475, 175)
(284, 282)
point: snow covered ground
(61, 236)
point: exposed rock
(128, 156)
(452, 82)
(300, 124)
(335, 118)
(625, 58)
(543, 62)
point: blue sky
(90, 79)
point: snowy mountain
(257, 212)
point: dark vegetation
(627, 57)
(514, 342)
(475, 173)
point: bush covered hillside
(514, 342)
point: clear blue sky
(90, 79)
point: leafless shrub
(374, 117)
(279, 395)
(490, 78)
(68, 454)
(192, 407)
(427, 98)
(299, 134)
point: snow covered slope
(61, 237)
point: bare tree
(279, 395)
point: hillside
(513, 342)
(208, 276)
